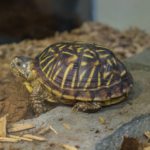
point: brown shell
(82, 71)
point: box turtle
(85, 75)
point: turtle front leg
(87, 106)
(38, 96)
(38, 105)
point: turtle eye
(18, 64)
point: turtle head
(20, 65)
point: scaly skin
(87, 106)
(38, 94)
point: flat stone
(84, 125)
(134, 128)
(139, 62)
(142, 58)
(87, 131)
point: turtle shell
(82, 71)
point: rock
(84, 125)
(135, 128)
(139, 62)
(13, 96)
(130, 118)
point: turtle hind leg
(87, 106)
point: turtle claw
(75, 108)
(86, 107)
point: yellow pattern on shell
(86, 97)
(52, 71)
(99, 79)
(48, 64)
(46, 59)
(96, 63)
(70, 47)
(67, 53)
(100, 50)
(65, 74)
(56, 73)
(90, 78)
(74, 78)
(83, 63)
(58, 44)
(109, 62)
(60, 48)
(59, 63)
(85, 55)
(103, 56)
(72, 58)
(42, 54)
(51, 50)
(105, 74)
(79, 49)
(49, 71)
(57, 93)
(89, 51)
(122, 73)
(68, 97)
(114, 61)
(81, 76)
(48, 87)
(108, 83)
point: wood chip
(147, 148)
(66, 126)
(102, 120)
(44, 130)
(3, 122)
(69, 147)
(20, 127)
(66, 146)
(147, 133)
(53, 130)
(4, 139)
(20, 138)
(34, 137)
(2, 117)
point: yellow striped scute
(82, 71)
